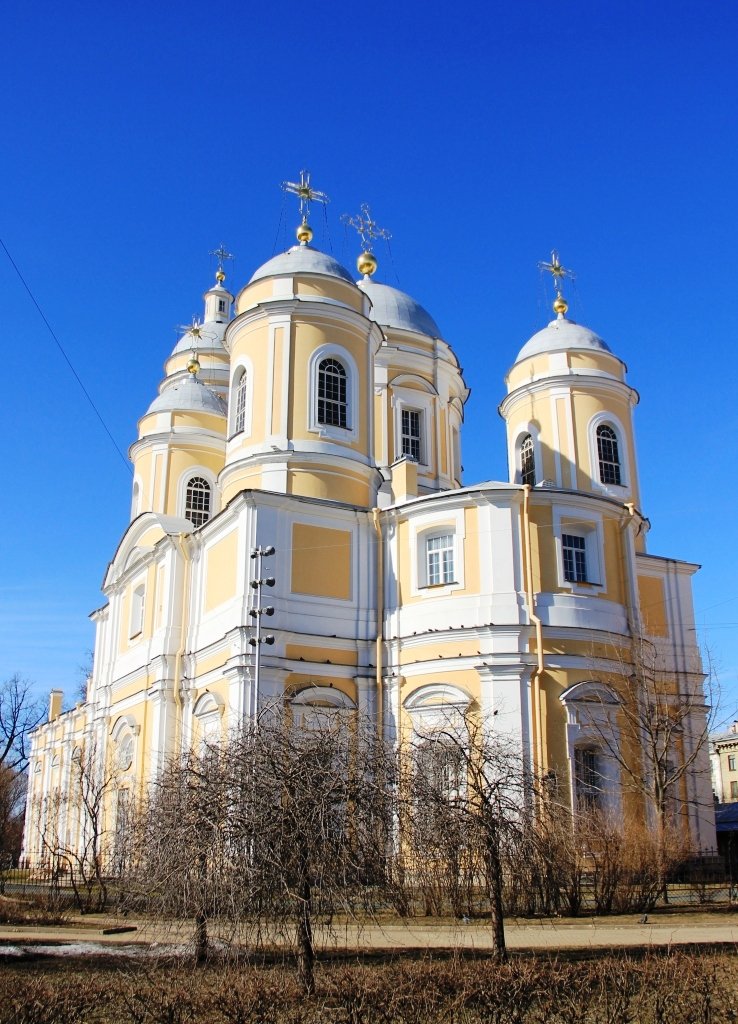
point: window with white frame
(332, 394)
(574, 556)
(240, 396)
(198, 501)
(527, 461)
(608, 455)
(221, 305)
(137, 611)
(412, 434)
(439, 555)
(587, 779)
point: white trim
(434, 524)
(608, 419)
(588, 525)
(185, 478)
(242, 365)
(351, 431)
(516, 437)
(329, 695)
(422, 402)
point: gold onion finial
(367, 230)
(558, 273)
(307, 195)
(193, 366)
(221, 254)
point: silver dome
(302, 259)
(393, 308)
(187, 395)
(562, 335)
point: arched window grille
(608, 455)
(527, 462)
(332, 401)
(239, 420)
(197, 501)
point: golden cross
(306, 194)
(555, 269)
(366, 228)
(222, 254)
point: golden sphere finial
(366, 264)
(220, 276)
(304, 233)
(193, 366)
(560, 305)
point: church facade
(299, 531)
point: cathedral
(300, 531)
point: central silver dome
(302, 259)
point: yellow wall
(321, 561)
(653, 605)
(220, 571)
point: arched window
(608, 455)
(332, 400)
(240, 394)
(527, 461)
(197, 501)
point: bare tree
(284, 826)
(12, 801)
(77, 826)
(465, 812)
(20, 713)
(654, 727)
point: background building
(322, 417)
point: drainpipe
(538, 765)
(629, 577)
(187, 565)
(380, 623)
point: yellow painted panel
(447, 648)
(280, 336)
(472, 580)
(330, 485)
(320, 654)
(297, 681)
(653, 605)
(321, 561)
(199, 421)
(220, 571)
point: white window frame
(328, 430)
(422, 530)
(436, 564)
(414, 440)
(137, 611)
(243, 366)
(415, 400)
(591, 711)
(209, 512)
(185, 478)
(516, 461)
(208, 713)
(606, 419)
(588, 526)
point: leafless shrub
(38, 1002)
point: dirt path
(667, 929)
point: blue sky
(137, 138)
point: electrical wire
(68, 361)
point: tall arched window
(332, 401)
(527, 461)
(239, 419)
(197, 501)
(608, 455)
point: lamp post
(258, 583)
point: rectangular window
(734, 791)
(575, 558)
(137, 612)
(587, 779)
(731, 763)
(411, 435)
(440, 559)
(221, 305)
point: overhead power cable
(68, 361)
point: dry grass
(654, 988)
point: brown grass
(652, 988)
